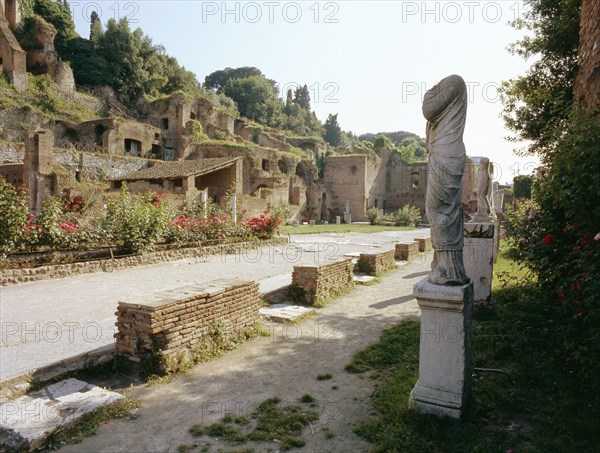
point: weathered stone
(424, 244)
(406, 251)
(445, 348)
(479, 258)
(26, 421)
(284, 312)
(377, 264)
(315, 284)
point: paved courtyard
(48, 321)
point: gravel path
(286, 365)
(48, 321)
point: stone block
(424, 244)
(407, 250)
(376, 263)
(445, 348)
(26, 421)
(478, 256)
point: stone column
(478, 256)
(204, 201)
(234, 208)
(445, 348)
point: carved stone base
(445, 348)
(478, 256)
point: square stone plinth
(445, 348)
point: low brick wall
(167, 325)
(407, 250)
(424, 244)
(316, 284)
(15, 276)
(377, 263)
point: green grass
(550, 411)
(89, 424)
(269, 422)
(324, 377)
(333, 228)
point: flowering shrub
(557, 236)
(136, 222)
(74, 204)
(264, 226)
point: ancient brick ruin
(317, 284)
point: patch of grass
(307, 398)
(550, 411)
(334, 387)
(186, 448)
(89, 424)
(228, 433)
(328, 433)
(324, 377)
(338, 229)
(271, 422)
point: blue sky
(368, 61)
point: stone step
(27, 421)
(284, 312)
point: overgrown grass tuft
(549, 412)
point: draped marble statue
(445, 109)
(484, 191)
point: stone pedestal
(338, 220)
(478, 256)
(445, 348)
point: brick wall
(377, 263)
(407, 250)
(587, 84)
(318, 284)
(170, 324)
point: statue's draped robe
(445, 108)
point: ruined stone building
(12, 56)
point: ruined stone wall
(18, 272)
(171, 324)
(316, 284)
(376, 186)
(377, 263)
(13, 174)
(110, 135)
(587, 84)
(13, 57)
(346, 178)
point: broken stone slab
(284, 312)
(363, 279)
(27, 421)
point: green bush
(14, 208)
(372, 215)
(195, 131)
(557, 235)
(137, 222)
(408, 216)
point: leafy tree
(218, 79)
(59, 15)
(333, 131)
(255, 99)
(540, 100)
(382, 142)
(289, 102)
(95, 27)
(90, 67)
(14, 208)
(522, 186)
(302, 97)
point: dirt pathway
(285, 365)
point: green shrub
(195, 131)
(137, 222)
(408, 216)
(372, 215)
(14, 208)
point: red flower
(548, 239)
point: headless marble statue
(445, 109)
